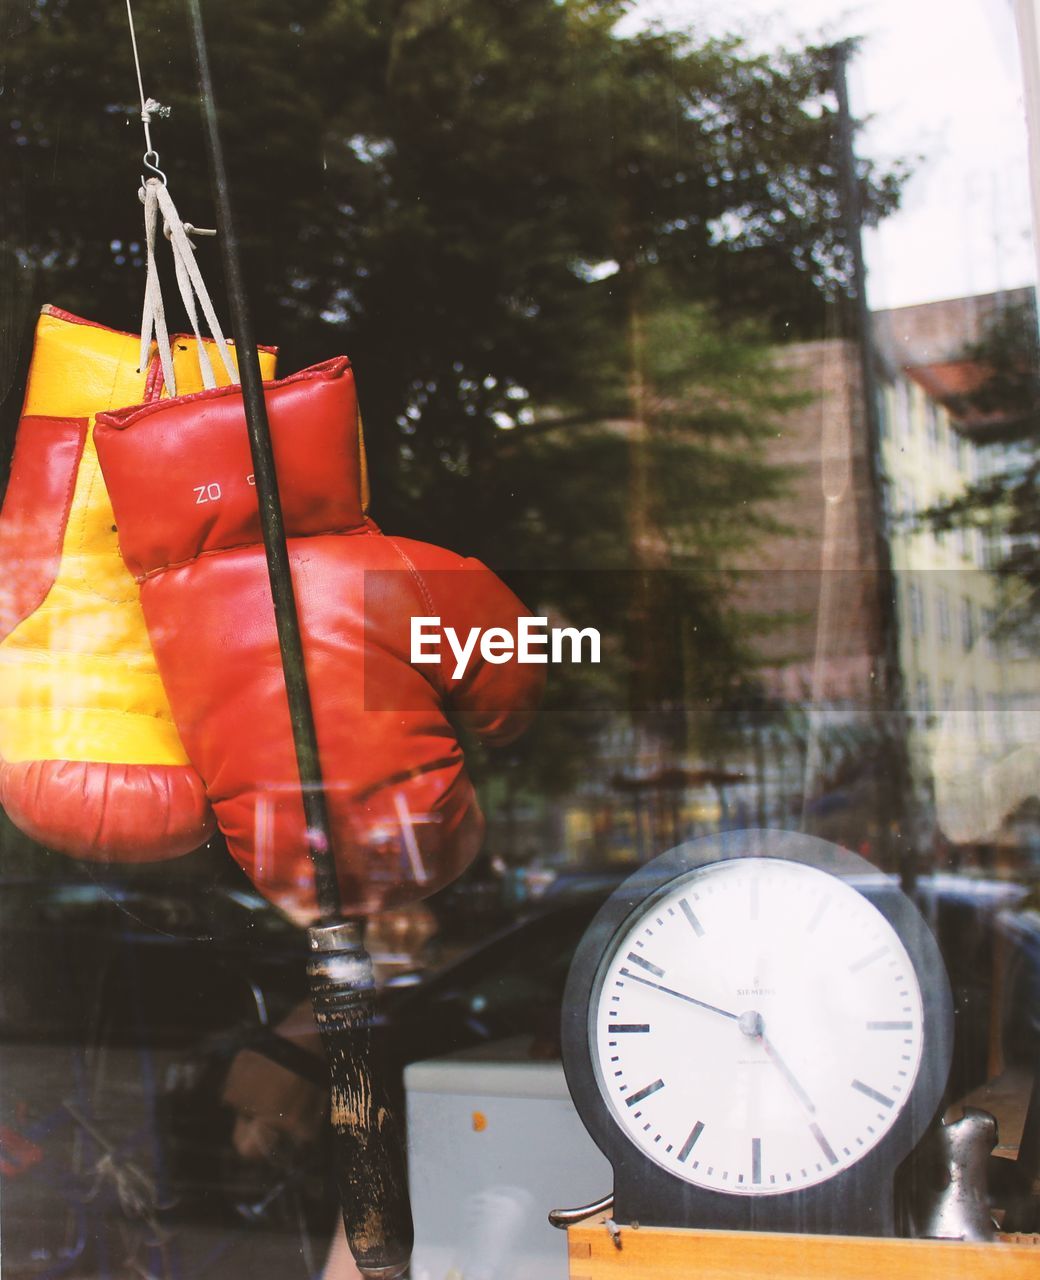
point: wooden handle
(371, 1168)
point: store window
(623, 743)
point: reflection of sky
(941, 80)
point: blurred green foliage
(556, 250)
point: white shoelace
(190, 283)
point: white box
(494, 1143)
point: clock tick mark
(645, 1092)
(868, 1092)
(824, 1145)
(890, 1026)
(645, 964)
(691, 919)
(817, 915)
(756, 1160)
(868, 959)
(628, 1027)
(691, 1141)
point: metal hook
(150, 160)
(189, 228)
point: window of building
(942, 610)
(923, 699)
(915, 600)
(989, 631)
(967, 625)
(931, 423)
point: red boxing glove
(404, 816)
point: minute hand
(669, 991)
(786, 1072)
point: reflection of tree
(481, 201)
(1000, 405)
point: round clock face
(758, 1028)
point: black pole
(301, 713)
(895, 759)
(371, 1168)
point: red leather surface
(107, 812)
(185, 476)
(35, 511)
(404, 815)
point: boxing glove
(403, 813)
(90, 761)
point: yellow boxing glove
(90, 761)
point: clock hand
(785, 1071)
(702, 1004)
(753, 1025)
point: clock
(757, 1030)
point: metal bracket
(564, 1218)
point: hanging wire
(149, 106)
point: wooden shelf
(658, 1253)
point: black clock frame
(857, 1200)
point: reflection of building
(815, 746)
(973, 697)
(963, 693)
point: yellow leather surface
(78, 679)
